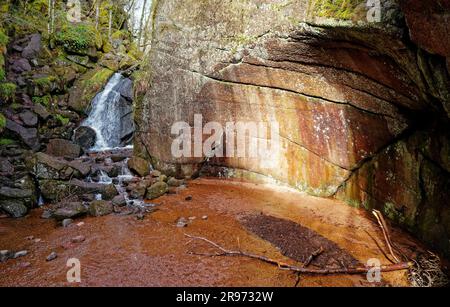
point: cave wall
(363, 106)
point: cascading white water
(104, 117)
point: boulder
(8, 192)
(125, 89)
(29, 118)
(119, 200)
(139, 166)
(138, 190)
(70, 211)
(156, 190)
(21, 65)
(82, 169)
(14, 207)
(48, 167)
(6, 168)
(41, 111)
(85, 137)
(173, 182)
(33, 48)
(28, 135)
(54, 190)
(63, 148)
(127, 128)
(78, 59)
(86, 88)
(100, 208)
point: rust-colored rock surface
(358, 103)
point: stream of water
(104, 116)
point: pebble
(205, 217)
(37, 240)
(181, 222)
(80, 224)
(52, 256)
(20, 254)
(78, 239)
(5, 255)
(30, 238)
(66, 222)
(191, 218)
(46, 214)
(188, 198)
(25, 264)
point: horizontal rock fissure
(288, 91)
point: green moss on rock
(86, 87)
(2, 74)
(63, 120)
(8, 91)
(78, 38)
(6, 141)
(44, 100)
(339, 9)
(4, 39)
(2, 122)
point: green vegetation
(2, 121)
(45, 100)
(77, 38)
(63, 120)
(5, 141)
(339, 9)
(3, 38)
(7, 91)
(45, 82)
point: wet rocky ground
(151, 249)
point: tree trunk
(141, 23)
(110, 24)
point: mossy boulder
(43, 85)
(139, 166)
(100, 208)
(79, 39)
(157, 190)
(86, 87)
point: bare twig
(386, 234)
(301, 269)
(380, 248)
(308, 262)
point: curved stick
(303, 268)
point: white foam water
(104, 117)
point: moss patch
(87, 87)
(2, 122)
(78, 38)
(3, 38)
(63, 120)
(44, 100)
(339, 9)
(8, 91)
(5, 141)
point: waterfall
(105, 116)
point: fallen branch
(308, 262)
(386, 234)
(303, 268)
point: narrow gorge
(91, 93)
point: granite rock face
(358, 103)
